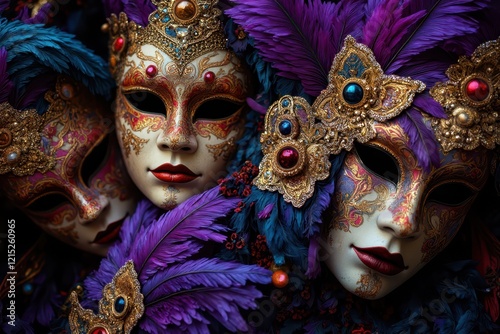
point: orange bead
(280, 278)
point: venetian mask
(178, 114)
(64, 168)
(390, 216)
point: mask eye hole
(216, 109)
(146, 101)
(452, 194)
(47, 203)
(378, 162)
(94, 161)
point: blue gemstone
(27, 288)
(285, 103)
(285, 127)
(353, 93)
(171, 32)
(119, 305)
(166, 19)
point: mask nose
(401, 219)
(89, 205)
(178, 133)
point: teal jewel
(171, 32)
(285, 103)
(27, 288)
(285, 127)
(166, 19)
(120, 305)
(353, 93)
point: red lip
(173, 174)
(110, 234)
(379, 259)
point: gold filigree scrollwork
(359, 93)
(470, 99)
(223, 150)
(184, 30)
(294, 158)
(21, 149)
(120, 308)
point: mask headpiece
(184, 30)
(26, 107)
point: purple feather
(4, 4)
(201, 272)
(36, 89)
(139, 10)
(256, 106)
(6, 85)
(347, 19)
(182, 309)
(313, 267)
(422, 142)
(266, 212)
(385, 28)
(42, 16)
(170, 241)
(444, 20)
(293, 36)
(112, 7)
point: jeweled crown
(183, 29)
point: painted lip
(379, 259)
(174, 174)
(110, 233)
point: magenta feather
(385, 28)
(292, 35)
(422, 141)
(443, 20)
(177, 233)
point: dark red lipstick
(174, 174)
(379, 259)
(110, 233)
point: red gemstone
(477, 89)
(280, 278)
(151, 71)
(99, 330)
(209, 77)
(118, 44)
(288, 157)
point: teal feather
(34, 50)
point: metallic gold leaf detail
(470, 122)
(125, 285)
(384, 96)
(182, 39)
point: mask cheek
(441, 224)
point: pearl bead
(477, 89)
(280, 278)
(11, 157)
(353, 93)
(288, 157)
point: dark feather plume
(443, 20)
(423, 143)
(293, 36)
